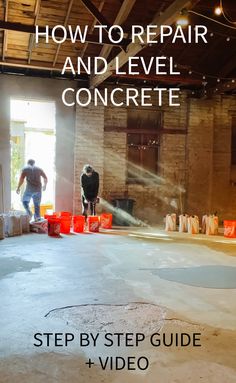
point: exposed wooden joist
(98, 16)
(91, 38)
(31, 38)
(18, 63)
(4, 44)
(123, 13)
(168, 17)
(95, 12)
(65, 25)
(91, 30)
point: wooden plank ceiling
(18, 50)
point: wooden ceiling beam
(4, 44)
(91, 30)
(65, 25)
(31, 38)
(96, 13)
(123, 13)
(168, 17)
(18, 63)
(91, 38)
(98, 16)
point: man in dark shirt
(89, 189)
(33, 188)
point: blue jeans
(36, 200)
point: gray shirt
(33, 176)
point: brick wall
(224, 175)
(89, 146)
(199, 156)
(209, 170)
(115, 153)
(194, 167)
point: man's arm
(97, 185)
(83, 184)
(45, 178)
(20, 183)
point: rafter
(31, 38)
(65, 25)
(96, 13)
(123, 13)
(91, 29)
(166, 18)
(99, 16)
(4, 44)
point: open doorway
(33, 136)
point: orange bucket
(93, 223)
(65, 224)
(65, 214)
(106, 220)
(78, 223)
(230, 229)
(54, 227)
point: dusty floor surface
(139, 281)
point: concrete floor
(190, 279)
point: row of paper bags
(190, 224)
(14, 223)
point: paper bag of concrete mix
(2, 227)
(212, 225)
(13, 225)
(25, 220)
(40, 227)
(204, 223)
(183, 223)
(193, 224)
(170, 222)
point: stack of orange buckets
(63, 221)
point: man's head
(88, 170)
(31, 162)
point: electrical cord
(225, 15)
(209, 18)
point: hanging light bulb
(183, 20)
(218, 11)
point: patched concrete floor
(127, 280)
